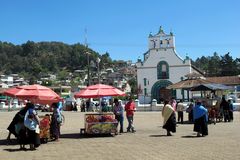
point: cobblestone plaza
(149, 142)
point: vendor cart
(44, 128)
(215, 113)
(100, 123)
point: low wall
(15, 106)
(158, 107)
(236, 106)
(149, 107)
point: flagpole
(98, 61)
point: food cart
(99, 123)
(44, 128)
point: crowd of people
(118, 111)
(198, 114)
(25, 124)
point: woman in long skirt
(31, 122)
(55, 122)
(200, 116)
(169, 122)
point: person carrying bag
(31, 122)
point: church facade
(161, 67)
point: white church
(161, 67)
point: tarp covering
(210, 87)
(35, 93)
(99, 90)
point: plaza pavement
(148, 143)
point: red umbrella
(35, 93)
(99, 90)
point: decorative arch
(159, 91)
(163, 70)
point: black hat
(115, 100)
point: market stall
(100, 123)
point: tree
(29, 49)
(133, 84)
(106, 60)
(237, 61)
(228, 65)
(63, 74)
(213, 65)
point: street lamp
(98, 61)
(88, 69)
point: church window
(168, 43)
(154, 43)
(145, 81)
(145, 91)
(163, 70)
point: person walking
(169, 118)
(17, 128)
(180, 109)
(189, 110)
(173, 103)
(230, 110)
(225, 106)
(31, 122)
(56, 121)
(130, 109)
(200, 117)
(118, 112)
(18, 118)
(88, 105)
(83, 106)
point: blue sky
(121, 28)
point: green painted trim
(159, 70)
(157, 86)
(145, 81)
(145, 91)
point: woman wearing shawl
(17, 128)
(55, 122)
(200, 117)
(31, 122)
(19, 117)
(169, 118)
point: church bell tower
(161, 40)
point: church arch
(159, 91)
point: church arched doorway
(159, 91)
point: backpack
(60, 118)
(29, 120)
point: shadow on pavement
(185, 123)
(190, 136)
(163, 135)
(14, 150)
(4, 142)
(70, 135)
(81, 136)
(19, 150)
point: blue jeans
(130, 124)
(120, 119)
